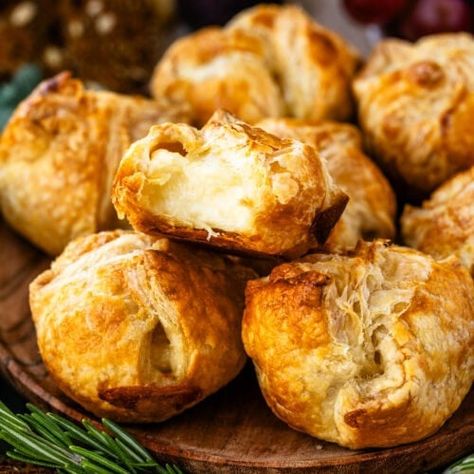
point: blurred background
(115, 44)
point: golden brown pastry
(416, 106)
(370, 349)
(444, 225)
(139, 329)
(58, 155)
(228, 185)
(269, 61)
(370, 212)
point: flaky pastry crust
(370, 212)
(139, 329)
(58, 155)
(369, 349)
(228, 185)
(444, 225)
(269, 61)
(416, 106)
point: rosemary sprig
(464, 465)
(49, 440)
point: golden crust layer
(58, 155)
(370, 349)
(139, 329)
(444, 225)
(370, 212)
(416, 106)
(228, 185)
(245, 68)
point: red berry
(436, 16)
(374, 11)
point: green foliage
(49, 440)
(464, 465)
(14, 91)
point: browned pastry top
(369, 349)
(138, 329)
(416, 106)
(58, 156)
(228, 185)
(269, 61)
(444, 225)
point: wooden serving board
(230, 432)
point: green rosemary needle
(465, 465)
(49, 440)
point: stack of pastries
(260, 230)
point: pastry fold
(59, 153)
(444, 224)
(138, 329)
(269, 61)
(369, 349)
(370, 212)
(228, 185)
(416, 108)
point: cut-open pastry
(228, 185)
(444, 225)
(269, 61)
(416, 107)
(139, 329)
(58, 156)
(369, 349)
(370, 212)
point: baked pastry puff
(59, 153)
(370, 212)
(416, 107)
(228, 185)
(269, 61)
(369, 349)
(444, 225)
(138, 329)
